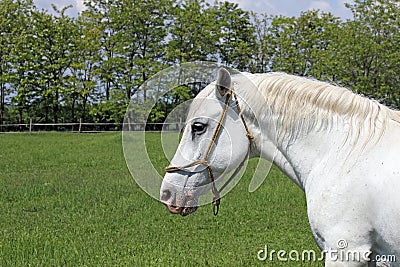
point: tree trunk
(56, 106)
(85, 100)
(20, 116)
(108, 86)
(2, 103)
(73, 110)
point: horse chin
(184, 208)
(187, 210)
(183, 211)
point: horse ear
(224, 81)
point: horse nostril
(166, 194)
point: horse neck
(309, 137)
(299, 159)
(296, 156)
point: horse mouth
(183, 211)
(184, 204)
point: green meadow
(68, 199)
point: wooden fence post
(30, 126)
(80, 125)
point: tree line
(57, 68)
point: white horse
(340, 148)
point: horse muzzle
(186, 205)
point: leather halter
(204, 161)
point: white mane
(302, 105)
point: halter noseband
(204, 161)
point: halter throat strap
(204, 161)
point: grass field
(69, 200)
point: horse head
(214, 142)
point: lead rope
(217, 197)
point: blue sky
(274, 7)
(294, 8)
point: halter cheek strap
(204, 161)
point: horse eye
(198, 128)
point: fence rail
(88, 127)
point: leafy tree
(41, 64)
(21, 54)
(104, 14)
(371, 50)
(54, 55)
(236, 39)
(58, 68)
(264, 44)
(143, 41)
(13, 18)
(304, 45)
(192, 37)
(85, 66)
